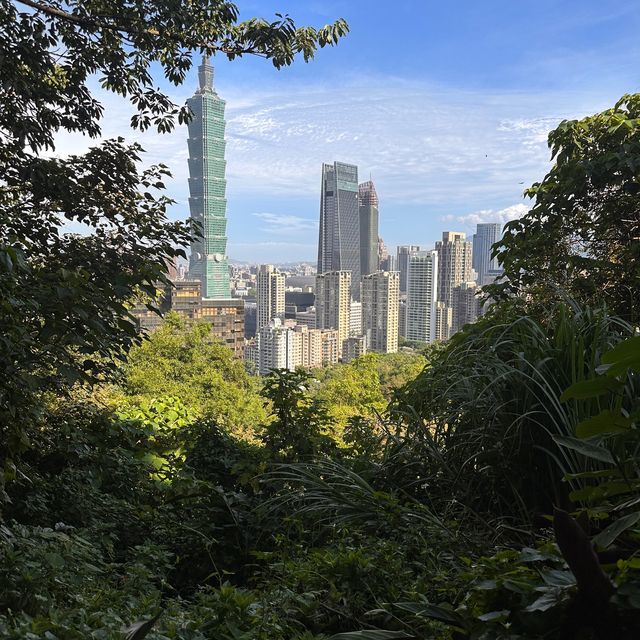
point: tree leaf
(605, 422)
(545, 602)
(624, 355)
(591, 388)
(606, 537)
(587, 449)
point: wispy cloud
(285, 224)
(433, 151)
(503, 216)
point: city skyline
(451, 139)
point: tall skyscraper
(333, 302)
(368, 208)
(207, 186)
(422, 296)
(486, 235)
(402, 263)
(269, 295)
(339, 236)
(380, 301)
(454, 264)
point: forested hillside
(152, 488)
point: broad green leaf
(611, 533)
(587, 449)
(591, 388)
(545, 602)
(605, 422)
(557, 578)
(624, 355)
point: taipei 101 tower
(207, 185)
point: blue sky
(446, 105)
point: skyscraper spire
(205, 75)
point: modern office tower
(444, 321)
(339, 236)
(355, 318)
(207, 185)
(466, 304)
(402, 263)
(454, 265)
(422, 296)
(486, 235)
(368, 208)
(333, 302)
(380, 299)
(353, 348)
(269, 295)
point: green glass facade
(207, 188)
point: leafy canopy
(188, 362)
(582, 235)
(63, 296)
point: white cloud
(503, 216)
(283, 223)
(432, 151)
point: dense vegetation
(153, 488)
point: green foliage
(581, 235)
(488, 407)
(161, 514)
(609, 493)
(187, 362)
(63, 296)
(364, 387)
(299, 426)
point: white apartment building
(355, 318)
(455, 255)
(283, 345)
(270, 285)
(422, 296)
